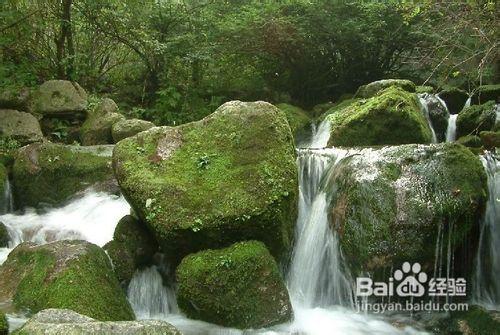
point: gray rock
(97, 127)
(65, 321)
(15, 99)
(59, 98)
(21, 126)
(126, 128)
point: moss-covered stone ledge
(229, 177)
(239, 286)
(66, 274)
(48, 173)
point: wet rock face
(63, 274)
(59, 98)
(69, 322)
(392, 202)
(438, 115)
(47, 173)
(20, 126)
(239, 286)
(207, 184)
(455, 99)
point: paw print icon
(411, 279)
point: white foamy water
(425, 109)
(321, 135)
(92, 217)
(451, 130)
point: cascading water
(486, 283)
(149, 298)
(6, 200)
(451, 130)
(425, 109)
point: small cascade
(486, 284)
(423, 98)
(320, 135)
(149, 298)
(92, 218)
(451, 130)
(6, 201)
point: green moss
(471, 141)
(50, 173)
(68, 274)
(337, 107)
(424, 89)
(296, 116)
(372, 89)
(229, 177)
(490, 139)
(394, 216)
(8, 148)
(391, 117)
(239, 286)
(476, 320)
(4, 325)
(486, 93)
(476, 118)
(123, 261)
(4, 236)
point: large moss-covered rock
(64, 321)
(372, 89)
(486, 93)
(454, 98)
(474, 321)
(132, 246)
(59, 98)
(390, 202)
(471, 141)
(52, 173)
(12, 98)
(97, 127)
(320, 109)
(476, 118)
(4, 325)
(239, 286)
(20, 126)
(438, 114)
(391, 117)
(126, 128)
(490, 139)
(4, 236)
(424, 89)
(296, 116)
(65, 274)
(207, 184)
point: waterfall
(320, 135)
(486, 284)
(425, 109)
(92, 218)
(149, 298)
(6, 201)
(451, 130)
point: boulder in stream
(392, 203)
(239, 286)
(65, 274)
(476, 118)
(65, 321)
(298, 119)
(47, 173)
(393, 116)
(20, 126)
(4, 236)
(372, 89)
(207, 184)
(97, 127)
(59, 98)
(126, 128)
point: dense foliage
(173, 61)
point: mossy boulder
(391, 202)
(239, 287)
(475, 321)
(126, 128)
(20, 126)
(391, 117)
(47, 173)
(65, 274)
(372, 89)
(438, 114)
(471, 141)
(476, 118)
(486, 93)
(320, 109)
(4, 325)
(59, 98)
(454, 98)
(66, 321)
(424, 89)
(15, 98)
(298, 119)
(490, 139)
(207, 184)
(132, 246)
(97, 127)
(8, 149)
(4, 236)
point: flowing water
(486, 283)
(424, 103)
(6, 201)
(451, 130)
